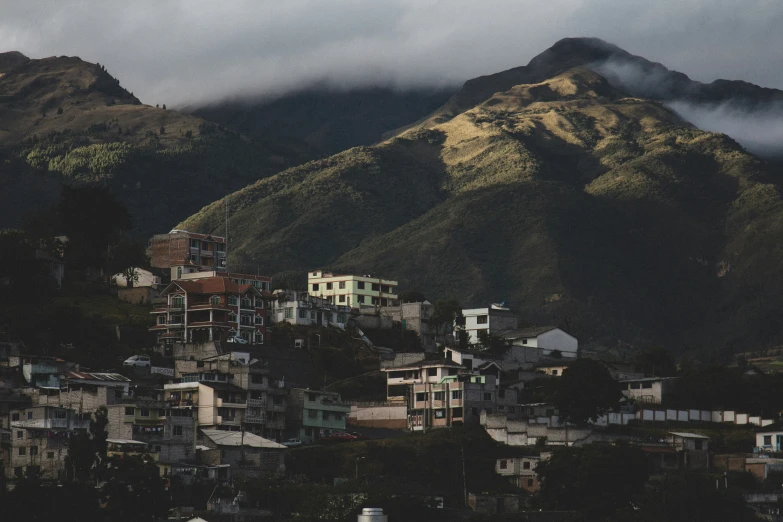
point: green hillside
(63, 120)
(568, 198)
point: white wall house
(651, 390)
(304, 309)
(530, 345)
(495, 320)
(770, 440)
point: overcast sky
(193, 51)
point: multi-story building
(142, 419)
(496, 321)
(215, 308)
(352, 290)
(400, 379)
(316, 414)
(457, 399)
(304, 309)
(261, 282)
(520, 471)
(184, 252)
(415, 317)
(39, 440)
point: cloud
(192, 51)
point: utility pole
(464, 478)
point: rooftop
(95, 376)
(209, 285)
(686, 435)
(647, 379)
(533, 331)
(240, 438)
(425, 364)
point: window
(341, 299)
(176, 319)
(177, 301)
(145, 412)
(421, 397)
(247, 303)
(456, 413)
(20, 434)
(375, 287)
(360, 285)
(341, 318)
(482, 319)
(33, 451)
(161, 319)
(360, 298)
(179, 272)
(328, 286)
(161, 413)
(699, 444)
(195, 243)
(311, 397)
(302, 314)
(526, 464)
(14, 416)
(130, 411)
(50, 455)
(315, 287)
(232, 317)
(289, 313)
(312, 315)
(432, 372)
(177, 430)
(438, 396)
(646, 385)
(768, 440)
(530, 483)
(501, 394)
(554, 372)
(312, 414)
(259, 302)
(259, 338)
(214, 300)
(342, 285)
(385, 289)
(524, 341)
(233, 300)
(503, 464)
(30, 415)
(487, 396)
(456, 395)
(22, 451)
(384, 302)
(259, 320)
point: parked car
(359, 436)
(137, 361)
(238, 340)
(338, 437)
(292, 443)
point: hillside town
(244, 384)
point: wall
(393, 415)
(137, 294)
(557, 339)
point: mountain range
(567, 187)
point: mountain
(329, 120)
(64, 120)
(551, 188)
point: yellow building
(352, 290)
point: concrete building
(692, 449)
(256, 455)
(184, 252)
(649, 390)
(315, 414)
(496, 321)
(215, 308)
(301, 308)
(400, 379)
(769, 439)
(521, 472)
(39, 440)
(530, 345)
(414, 317)
(352, 290)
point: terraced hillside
(572, 200)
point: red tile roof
(210, 286)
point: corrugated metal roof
(236, 438)
(686, 435)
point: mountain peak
(11, 59)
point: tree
(656, 362)
(445, 313)
(595, 479)
(585, 391)
(134, 490)
(87, 451)
(412, 296)
(126, 257)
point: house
(759, 467)
(261, 282)
(530, 345)
(495, 321)
(352, 290)
(650, 390)
(75, 380)
(39, 440)
(183, 252)
(144, 278)
(399, 379)
(521, 472)
(241, 449)
(316, 414)
(692, 449)
(769, 439)
(301, 308)
(414, 317)
(552, 369)
(470, 358)
(456, 399)
(210, 309)
(143, 290)
(140, 419)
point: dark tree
(91, 217)
(444, 314)
(596, 479)
(86, 458)
(656, 362)
(585, 391)
(126, 256)
(412, 296)
(134, 490)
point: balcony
(175, 307)
(255, 419)
(256, 403)
(207, 253)
(271, 406)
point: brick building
(184, 252)
(214, 308)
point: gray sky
(192, 51)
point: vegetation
(585, 391)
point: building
(495, 504)
(494, 321)
(39, 440)
(414, 317)
(261, 282)
(457, 399)
(649, 390)
(141, 419)
(215, 308)
(316, 414)
(241, 449)
(521, 472)
(769, 439)
(352, 290)
(530, 345)
(301, 308)
(400, 379)
(692, 449)
(185, 252)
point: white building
(651, 390)
(496, 320)
(304, 309)
(770, 439)
(145, 279)
(541, 341)
(352, 290)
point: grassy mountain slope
(69, 121)
(566, 197)
(329, 120)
